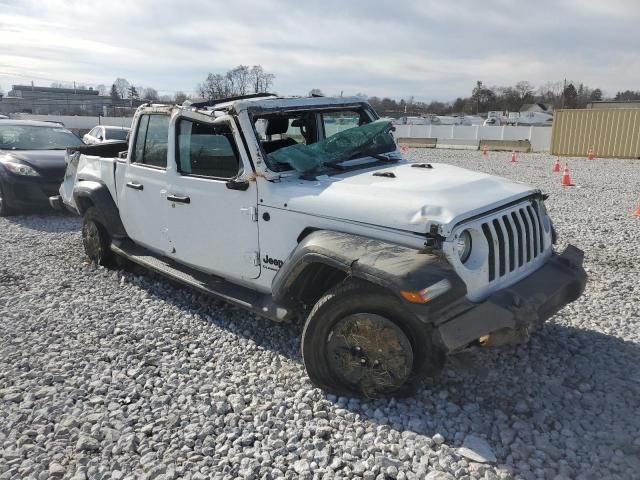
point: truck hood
(409, 198)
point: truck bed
(91, 162)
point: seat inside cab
(277, 126)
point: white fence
(77, 122)
(539, 137)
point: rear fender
(88, 193)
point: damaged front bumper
(507, 316)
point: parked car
(104, 134)
(32, 162)
(390, 264)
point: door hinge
(252, 212)
(252, 258)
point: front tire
(359, 340)
(95, 239)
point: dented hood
(411, 200)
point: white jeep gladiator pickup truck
(305, 208)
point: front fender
(393, 267)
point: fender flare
(391, 266)
(89, 192)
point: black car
(31, 162)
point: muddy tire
(359, 340)
(95, 239)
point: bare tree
(214, 86)
(238, 81)
(150, 94)
(260, 80)
(525, 90)
(180, 97)
(122, 87)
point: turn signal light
(427, 294)
(414, 297)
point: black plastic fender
(391, 266)
(89, 192)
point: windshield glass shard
(371, 138)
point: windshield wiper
(383, 158)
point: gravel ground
(119, 374)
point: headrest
(277, 126)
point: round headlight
(463, 245)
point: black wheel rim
(92, 241)
(369, 354)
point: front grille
(515, 238)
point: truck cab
(304, 208)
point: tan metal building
(615, 104)
(612, 132)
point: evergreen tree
(114, 93)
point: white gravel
(112, 374)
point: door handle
(135, 186)
(178, 199)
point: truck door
(212, 213)
(141, 184)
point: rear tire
(359, 340)
(95, 239)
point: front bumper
(25, 192)
(519, 309)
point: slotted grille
(514, 239)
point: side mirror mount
(236, 184)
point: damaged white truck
(305, 208)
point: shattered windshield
(368, 139)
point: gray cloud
(425, 48)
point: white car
(389, 264)
(105, 134)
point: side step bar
(259, 303)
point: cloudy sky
(431, 49)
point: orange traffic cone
(590, 154)
(566, 179)
(513, 156)
(637, 212)
(484, 151)
(556, 166)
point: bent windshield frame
(306, 126)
